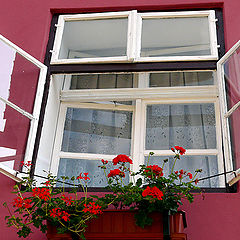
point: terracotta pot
(120, 225)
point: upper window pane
(181, 36)
(94, 38)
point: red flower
(42, 193)
(116, 172)
(104, 162)
(181, 171)
(155, 169)
(57, 213)
(196, 181)
(67, 200)
(47, 184)
(178, 150)
(26, 164)
(153, 191)
(92, 208)
(65, 216)
(86, 177)
(190, 175)
(22, 202)
(121, 159)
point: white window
(135, 37)
(93, 115)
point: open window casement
(22, 79)
(228, 68)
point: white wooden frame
(142, 96)
(57, 153)
(163, 15)
(131, 15)
(225, 113)
(134, 36)
(34, 117)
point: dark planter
(120, 225)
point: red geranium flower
(22, 202)
(67, 200)
(104, 162)
(121, 159)
(85, 176)
(153, 191)
(42, 193)
(116, 172)
(155, 169)
(178, 150)
(92, 208)
(190, 175)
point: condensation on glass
(208, 163)
(192, 126)
(178, 36)
(97, 131)
(94, 38)
(73, 167)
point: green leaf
(139, 182)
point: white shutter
(20, 74)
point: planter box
(120, 225)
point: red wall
(26, 23)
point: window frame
(143, 96)
(134, 36)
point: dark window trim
(125, 67)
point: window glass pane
(94, 38)
(191, 126)
(174, 79)
(97, 131)
(101, 81)
(73, 167)
(175, 37)
(232, 76)
(208, 164)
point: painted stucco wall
(27, 23)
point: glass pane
(73, 167)
(97, 131)
(175, 37)
(208, 164)
(94, 38)
(101, 81)
(174, 79)
(191, 126)
(232, 79)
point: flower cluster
(58, 213)
(42, 193)
(93, 208)
(178, 150)
(154, 171)
(67, 200)
(116, 172)
(183, 173)
(85, 177)
(121, 159)
(153, 191)
(20, 202)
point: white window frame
(134, 37)
(131, 15)
(34, 116)
(142, 96)
(225, 113)
(188, 14)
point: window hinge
(218, 46)
(57, 25)
(52, 51)
(215, 20)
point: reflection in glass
(94, 38)
(175, 37)
(101, 81)
(174, 79)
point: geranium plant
(149, 190)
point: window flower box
(120, 225)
